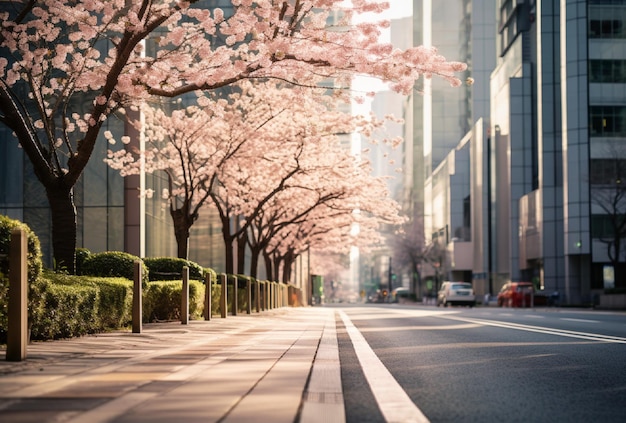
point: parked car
(516, 294)
(456, 293)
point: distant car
(516, 294)
(400, 293)
(456, 293)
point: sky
(400, 8)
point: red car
(516, 294)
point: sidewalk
(277, 366)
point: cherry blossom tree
(191, 145)
(57, 56)
(245, 139)
(284, 175)
(346, 208)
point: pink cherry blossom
(92, 53)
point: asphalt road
(422, 363)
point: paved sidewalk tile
(248, 368)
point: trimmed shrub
(113, 264)
(70, 311)
(81, 255)
(35, 266)
(242, 297)
(162, 300)
(78, 305)
(171, 268)
(212, 273)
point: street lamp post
(390, 277)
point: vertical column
(17, 336)
(266, 295)
(249, 295)
(257, 297)
(235, 296)
(184, 297)
(224, 299)
(137, 293)
(208, 296)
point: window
(607, 71)
(603, 227)
(607, 171)
(607, 121)
(607, 21)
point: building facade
(546, 162)
(446, 123)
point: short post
(279, 295)
(224, 299)
(184, 298)
(17, 336)
(257, 297)
(235, 296)
(208, 296)
(249, 295)
(137, 293)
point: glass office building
(550, 163)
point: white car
(456, 293)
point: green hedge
(242, 297)
(82, 254)
(161, 300)
(35, 266)
(171, 268)
(113, 264)
(212, 273)
(78, 305)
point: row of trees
(66, 67)
(269, 160)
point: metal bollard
(249, 295)
(224, 298)
(17, 334)
(137, 293)
(257, 288)
(184, 298)
(235, 296)
(208, 296)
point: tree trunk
(288, 262)
(268, 265)
(182, 224)
(618, 275)
(63, 211)
(287, 271)
(242, 241)
(276, 260)
(228, 245)
(254, 261)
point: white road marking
(538, 329)
(579, 320)
(393, 401)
